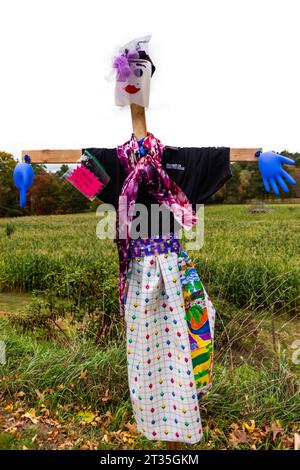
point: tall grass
(249, 259)
(81, 373)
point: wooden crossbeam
(53, 156)
(72, 156)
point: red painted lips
(131, 89)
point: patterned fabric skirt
(170, 327)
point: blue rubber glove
(269, 164)
(23, 178)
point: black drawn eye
(138, 72)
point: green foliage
(9, 204)
(10, 228)
(81, 296)
(246, 183)
(62, 170)
(39, 168)
(51, 195)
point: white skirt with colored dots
(162, 380)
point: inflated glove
(23, 178)
(270, 167)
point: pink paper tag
(85, 181)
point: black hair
(143, 55)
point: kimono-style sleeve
(199, 172)
(111, 164)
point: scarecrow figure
(169, 315)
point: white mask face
(136, 89)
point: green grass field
(247, 258)
(65, 381)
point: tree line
(52, 194)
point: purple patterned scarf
(148, 169)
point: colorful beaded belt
(154, 246)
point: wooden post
(174, 445)
(138, 118)
(72, 156)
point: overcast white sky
(227, 72)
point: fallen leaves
(132, 428)
(73, 427)
(86, 416)
(276, 429)
(88, 445)
(248, 433)
(83, 375)
(106, 396)
(237, 436)
(31, 415)
(249, 427)
(12, 429)
(52, 434)
(296, 441)
(9, 407)
(39, 394)
(67, 444)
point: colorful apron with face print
(169, 320)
